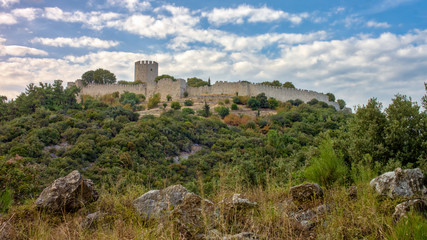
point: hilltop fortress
(147, 71)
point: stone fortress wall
(147, 71)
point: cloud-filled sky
(354, 49)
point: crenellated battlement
(146, 71)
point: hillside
(126, 151)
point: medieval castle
(147, 71)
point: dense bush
(188, 102)
(153, 101)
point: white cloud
(94, 20)
(76, 42)
(219, 16)
(14, 50)
(377, 24)
(28, 13)
(7, 3)
(131, 5)
(7, 19)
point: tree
(175, 105)
(153, 101)
(253, 103)
(169, 98)
(404, 131)
(275, 83)
(263, 102)
(222, 111)
(197, 82)
(164, 76)
(273, 103)
(331, 97)
(288, 85)
(100, 76)
(341, 103)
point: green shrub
(185, 94)
(153, 101)
(175, 105)
(234, 107)
(187, 111)
(253, 103)
(188, 102)
(236, 100)
(227, 101)
(222, 111)
(169, 98)
(328, 167)
(273, 103)
(6, 198)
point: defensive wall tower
(146, 71)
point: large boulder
(67, 194)
(158, 203)
(193, 216)
(305, 192)
(419, 205)
(400, 183)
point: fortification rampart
(146, 71)
(167, 86)
(248, 89)
(102, 89)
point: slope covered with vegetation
(45, 134)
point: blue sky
(354, 49)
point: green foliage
(275, 83)
(99, 76)
(288, 85)
(131, 98)
(236, 100)
(205, 112)
(169, 98)
(263, 102)
(187, 111)
(227, 101)
(129, 83)
(164, 76)
(234, 107)
(188, 102)
(222, 111)
(185, 94)
(341, 103)
(412, 226)
(153, 101)
(6, 199)
(328, 167)
(273, 103)
(253, 103)
(331, 97)
(175, 105)
(196, 82)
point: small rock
(352, 192)
(305, 192)
(68, 194)
(193, 216)
(419, 205)
(91, 219)
(158, 203)
(400, 183)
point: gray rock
(158, 203)
(67, 194)
(419, 205)
(305, 192)
(92, 219)
(400, 183)
(193, 216)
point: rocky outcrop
(400, 183)
(67, 194)
(193, 216)
(419, 205)
(158, 203)
(238, 203)
(307, 219)
(306, 192)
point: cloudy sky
(354, 49)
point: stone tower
(146, 71)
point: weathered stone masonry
(147, 71)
